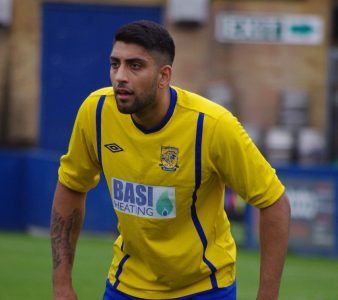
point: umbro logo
(114, 147)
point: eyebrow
(129, 60)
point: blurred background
(274, 64)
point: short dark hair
(150, 35)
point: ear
(164, 76)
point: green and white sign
(259, 28)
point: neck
(152, 116)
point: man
(166, 155)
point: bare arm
(66, 220)
(274, 234)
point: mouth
(123, 93)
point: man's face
(134, 73)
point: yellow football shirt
(167, 188)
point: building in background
(257, 54)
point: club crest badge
(169, 158)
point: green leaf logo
(164, 205)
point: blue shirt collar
(165, 120)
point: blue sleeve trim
(198, 176)
(98, 128)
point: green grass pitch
(25, 271)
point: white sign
(5, 12)
(256, 28)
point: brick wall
(4, 65)
(24, 72)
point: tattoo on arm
(64, 232)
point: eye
(135, 66)
(114, 64)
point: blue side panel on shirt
(119, 270)
(198, 171)
(98, 128)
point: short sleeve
(79, 168)
(241, 165)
